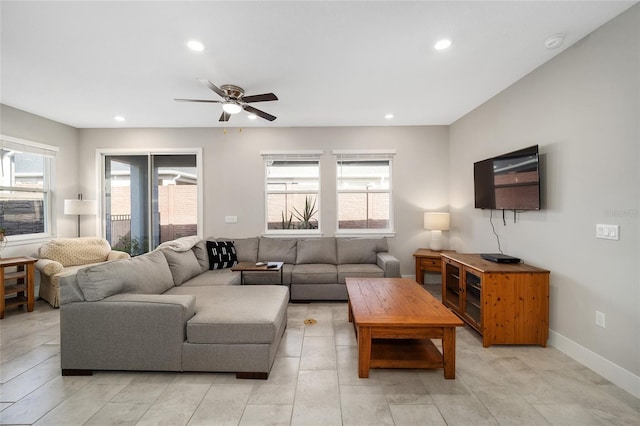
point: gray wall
(234, 172)
(20, 124)
(582, 108)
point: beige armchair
(63, 256)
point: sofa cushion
(214, 277)
(317, 250)
(183, 264)
(359, 270)
(314, 273)
(76, 251)
(277, 250)
(235, 314)
(246, 248)
(222, 254)
(145, 274)
(360, 250)
(200, 251)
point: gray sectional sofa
(167, 311)
(316, 268)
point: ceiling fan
(235, 100)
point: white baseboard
(607, 369)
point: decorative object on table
(80, 207)
(436, 222)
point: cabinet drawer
(430, 264)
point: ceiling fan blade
(198, 100)
(259, 113)
(213, 87)
(260, 98)
(224, 116)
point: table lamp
(80, 207)
(436, 223)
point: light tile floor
(314, 381)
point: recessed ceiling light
(119, 118)
(554, 41)
(388, 116)
(252, 116)
(442, 44)
(195, 45)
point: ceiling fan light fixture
(252, 116)
(231, 107)
(195, 45)
(442, 44)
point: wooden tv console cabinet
(508, 304)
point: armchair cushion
(49, 267)
(76, 251)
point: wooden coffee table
(395, 320)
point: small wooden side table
(428, 260)
(20, 283)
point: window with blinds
(26, 185)
(364, 197)
(292, 196)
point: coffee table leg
(449, 352)
(364, 351)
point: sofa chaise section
(142, 314)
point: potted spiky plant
(306, 214)
(286, 223)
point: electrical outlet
(600, 319)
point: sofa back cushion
(183, 265)
(317, 250)
(360, 250)
(246, 248)
(76, 251)
(146, 274)
(277, 250)
(200, 251)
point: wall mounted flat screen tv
(508, 182)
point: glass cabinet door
(472, 306)
(452, 285)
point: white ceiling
(330, 63)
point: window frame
(364, 156)
(102, 154)
(49, 153)
(302, 156)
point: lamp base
(436, 240)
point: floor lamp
(436, 223)
(80, 207)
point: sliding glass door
(149, 199)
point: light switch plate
(608, 232)
(231, 219)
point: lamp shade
(80, 207)
(436, 221)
